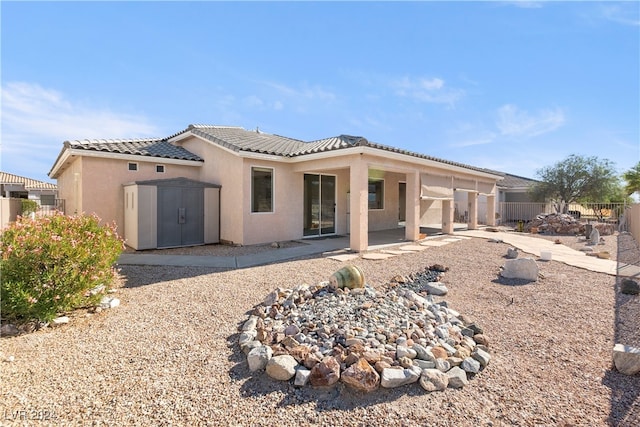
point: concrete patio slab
(394, 252)
(377, 256)
(342, 258)
(412, 248)
(434, 243)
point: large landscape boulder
(521, 268)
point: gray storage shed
(170, 213)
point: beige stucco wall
(211, 215)
(285, 222)
(69, 187)
(386, 218)
(100, 190)
(223, 168)
(94, 185)
(10, 208)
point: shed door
(180, 216)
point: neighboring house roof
(240, 139)
(515, 182)
(28, 183)
(140, 147)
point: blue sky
(510, 86)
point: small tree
(576, 179)
(632, 177)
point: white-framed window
(133, 166)
(159, 168)
(261, 189)
(376, 194)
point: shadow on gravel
(625, 389)
(142, 275)
(512, 282)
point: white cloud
(622, 13)
(524, 4)
(430, 90)
(31, 110)
(36, 120)
(305, 91)
(513, 122)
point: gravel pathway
(168, 354)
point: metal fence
(50, 209)
(510, 213)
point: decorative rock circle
(321, 334)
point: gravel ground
(168, 354)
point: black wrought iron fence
(511, 213)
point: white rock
(481, 356)
(97, 290)
(435, 288)
(402, 351)
(393, 377)
(250, 324)
(433, 380)
(302, 377)
(626, 359)
(424, 364)
(259, 357)
(457, 377)
(60, 320)
(521, 268)
(247, 336)
(442, 365)
(470, 365)
(109, 302)
(512, 253)
(281, 367)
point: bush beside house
(54, 264)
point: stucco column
(412, 216)
(359, 205)
(472, 203)
(447, 216)
(491, 210)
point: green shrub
(29, 206)
(50, 264)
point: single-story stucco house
(207, 184)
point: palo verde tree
(632, 178)
(577, 179)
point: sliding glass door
(319, 204)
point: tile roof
(140, 147)
(514, 181)
(240, 139)
(29, 184)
